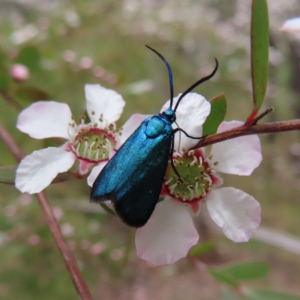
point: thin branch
(11, 101)
(70, 262)
(278, 239)
(10, 142)
(248, 130)
(255, 120)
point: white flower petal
(190, 116)
(102, 101)
(37, 170)
(238, 156)
(168, 235)
(131, 125)
(84, 166)
(95, 172)
(291, 25)
(237, 213)
(45, 119)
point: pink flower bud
(19, 72)
(34, 239)
(85, 63)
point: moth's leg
(171, 155)
(192, 137)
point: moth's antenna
(170, 74)
(197, 83)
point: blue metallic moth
(133, 177)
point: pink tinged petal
(237, 213)
(194, 207)
(37, 170)
(95, 172)
(84, 166)
(168, 235)
(46, 119)
(238, 156)
(190, 116)
(102, 101)
(131, 125)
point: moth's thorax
(157, 125)
(170, 115)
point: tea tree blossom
(170, 232)
(88, 144)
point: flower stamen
(197, 176)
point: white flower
(89, 144)
(158, 234)
(170, 232)
(291, 25)
(192, 102)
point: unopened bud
(19, 72)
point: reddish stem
(248, 130)
(70, 262)
(10, 142)
(252, 115)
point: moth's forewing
(133, 178)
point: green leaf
(30, 93)
(7, 174)
(201, 248)
(262, 294)
(30, 57)
(259, 51)
(3, 59)
(248, 270)
(216, 116)
(5, 77)
(223, 276)
(4, 80)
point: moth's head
(170, 114)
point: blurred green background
(103, 42)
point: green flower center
(196, 180)
(94, 144)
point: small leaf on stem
(201, 248)
(259, 52)
(224, 277)
(216, 116)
